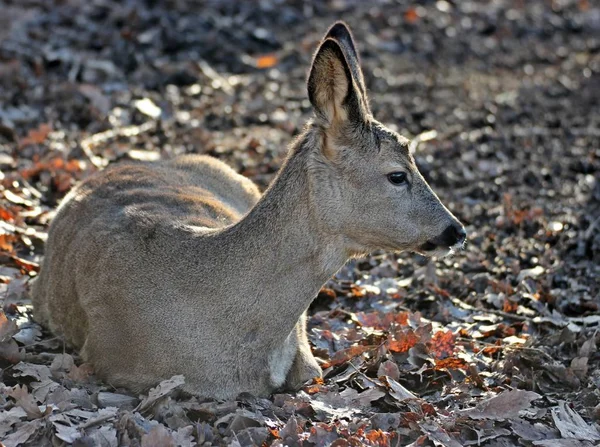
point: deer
(182, 267)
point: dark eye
(397, 178)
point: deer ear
(332, 89)
(340, 32)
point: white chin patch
(441, 252)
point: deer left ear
(340, 32)
(332, 89)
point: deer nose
(453, 234)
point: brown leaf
(8, 328)
(347, 354)
(505, 405)
(378, 437)
(442, 344)
(9, 350)
(571, 425)
(402, 341)
(159, 436)
(396, 390)
(390, 369)
(7, 241)
(162, 389)
(451, 363)
(266, 61)
(23, 434)
(411, 15)
(81, 373)
(36, 136)
(25, 401)
(26, 266)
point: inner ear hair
(331, 86)
(329, 81)
(340, 32)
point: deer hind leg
(305, 366)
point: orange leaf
(274, 432)
(411, 15)
(266, 61)
(6, 215)
(378, 437)
(346, 354)
(450, 363)
(442, 344)
(25, 265)
(6, 242)
(403, 341)
(510, 306)
(36, 136)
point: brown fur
(181, 267)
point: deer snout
(453, 235)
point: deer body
(181, 267)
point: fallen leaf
(396, 390)
(344, 355)
(36, 136)
(390, 369)
(81, 373)
(438, 435)
(23, 434)
(451, 363)
(38, 372)
(25, 401)
(164, 388)
(442, 344)
(8, 328)
(266, 61)
(411, 15)
(571, 425)
(159, 436)
(402, 340)
(64, 428)
(505, 405)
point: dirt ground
(494, 346)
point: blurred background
(503, 97)
(503, 93)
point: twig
(97, 421)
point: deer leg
(305, 366)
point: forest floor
(495, 346)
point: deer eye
(397, 178)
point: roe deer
(182, 267)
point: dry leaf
(159, 436)
(164, 388)
(23, 434)
(266, 61)
(8, 328)
(36, 136)
(390, 369)
(571, 425)
(396, 390)
(442, 344)
(25, 401)
(402, 340)
(505, 405)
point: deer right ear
(331, 88)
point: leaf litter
(494, 346)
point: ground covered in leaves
(496, 346)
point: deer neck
(287, 253)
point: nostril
(461, 234)
(453, 234)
